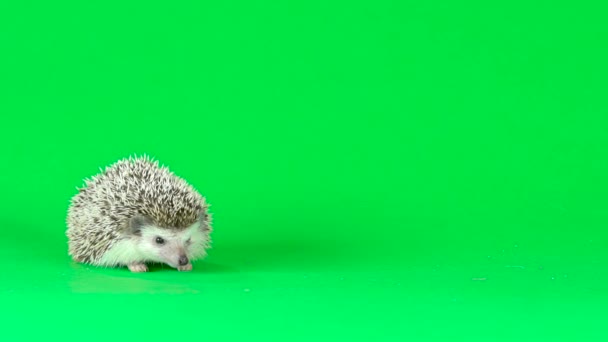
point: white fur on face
(191, 242)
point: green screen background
(378, 170)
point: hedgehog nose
(183, 260)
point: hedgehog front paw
(138, 267)
(187, 267)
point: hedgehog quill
(136, 212)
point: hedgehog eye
(160, 240)
(189, 241)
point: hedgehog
(137, 212)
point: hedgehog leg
(137, 267)
(187, 267)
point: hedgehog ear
(137, 222)
(202, 214)
(203, 219)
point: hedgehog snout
(183, 260)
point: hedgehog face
(174, 247)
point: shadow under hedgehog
(136, 212)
